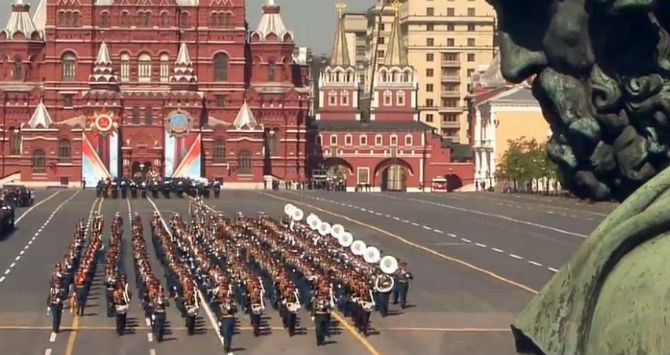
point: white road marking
(152, 351)
(427, 228)
(466, 240)
(480, 245)
(30, 242)
(497, 250)
(378, 214)
(499, 216)
(534, 263)
(552, 269)
(396, 218)
(405, 221)
(148, 322)
(451, 235)
(438, 231)
(47, 351)
(387, 215)
(415, 224)
(150, 337)
(363, 209)
(515, 256)
(2, 279)
(52, 338)
(24, 214)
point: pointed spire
(339, 56)
(396, 53)
(20, 22)
(40, 16)
(103, 72)
(40, 117)
(245, 118)
(183, 71)
(272, 23)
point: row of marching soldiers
(72, 278)
(117, 294)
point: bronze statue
(601, 72)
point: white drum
(122, 309)
(193, 311)
(257, 310)
(368, 306)
(293, 307)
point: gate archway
(394, 173)
(140, 168)
(338, 168)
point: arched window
(104, 19)
(244, 162)
(39, 161)
(125, 21)
(68, 18)
(14, 141)
(144, 68)
(408, 140)
(69, 66)
(148, 116)
(388, 98)
(184, 20)
(400, 98)
(220, 67)
(224, 19)
(363, 139)
(64, 151)
(61, 18)
(125, 67)
(136, 115)
(76, 19)
(214, 19)
(271, 140)
(344, 98)
(144, 18)
(219, 154)
(271, 71)
(18, 69)
(394, 140)
(165, 68)
(333, 139)
(165, 19)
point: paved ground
(477, 258)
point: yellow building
(446, 42)
(502, 112)
(356, 32)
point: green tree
(525, 160)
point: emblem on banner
(178, 123)
(103, 123)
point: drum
(192, 311)
(368, 306)
(293, 307)
(257, 309)
(122, 309)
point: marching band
(235, 267)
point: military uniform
(55, 305)
(382, 298)
(159, 316)
(321, 316)
(401, 288)
(227, 310)
(121, 299)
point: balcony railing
(451, 78)
(450, 94)
(451, 63)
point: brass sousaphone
(313, 221)
(336, 230)
(385, 282)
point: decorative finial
(396, 6)
(340, 6)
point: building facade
(380, 142)
(502, 112)
(114, 88)
(446, 42)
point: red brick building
(110, 88)
(380, 141)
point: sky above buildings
(312, 21)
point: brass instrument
(384, 283)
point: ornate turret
(40, 117)
(338, 83)
(245, 118)
(396, 53)
(183, 72)
(395, 82)
(103, 72)
(40, 16)
(22, 24)
(271, 26)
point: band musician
(192, 306)
(290, 305)
(121, 301)
(321, 310)
(256, 308)
(159, 305)
(384, 284)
